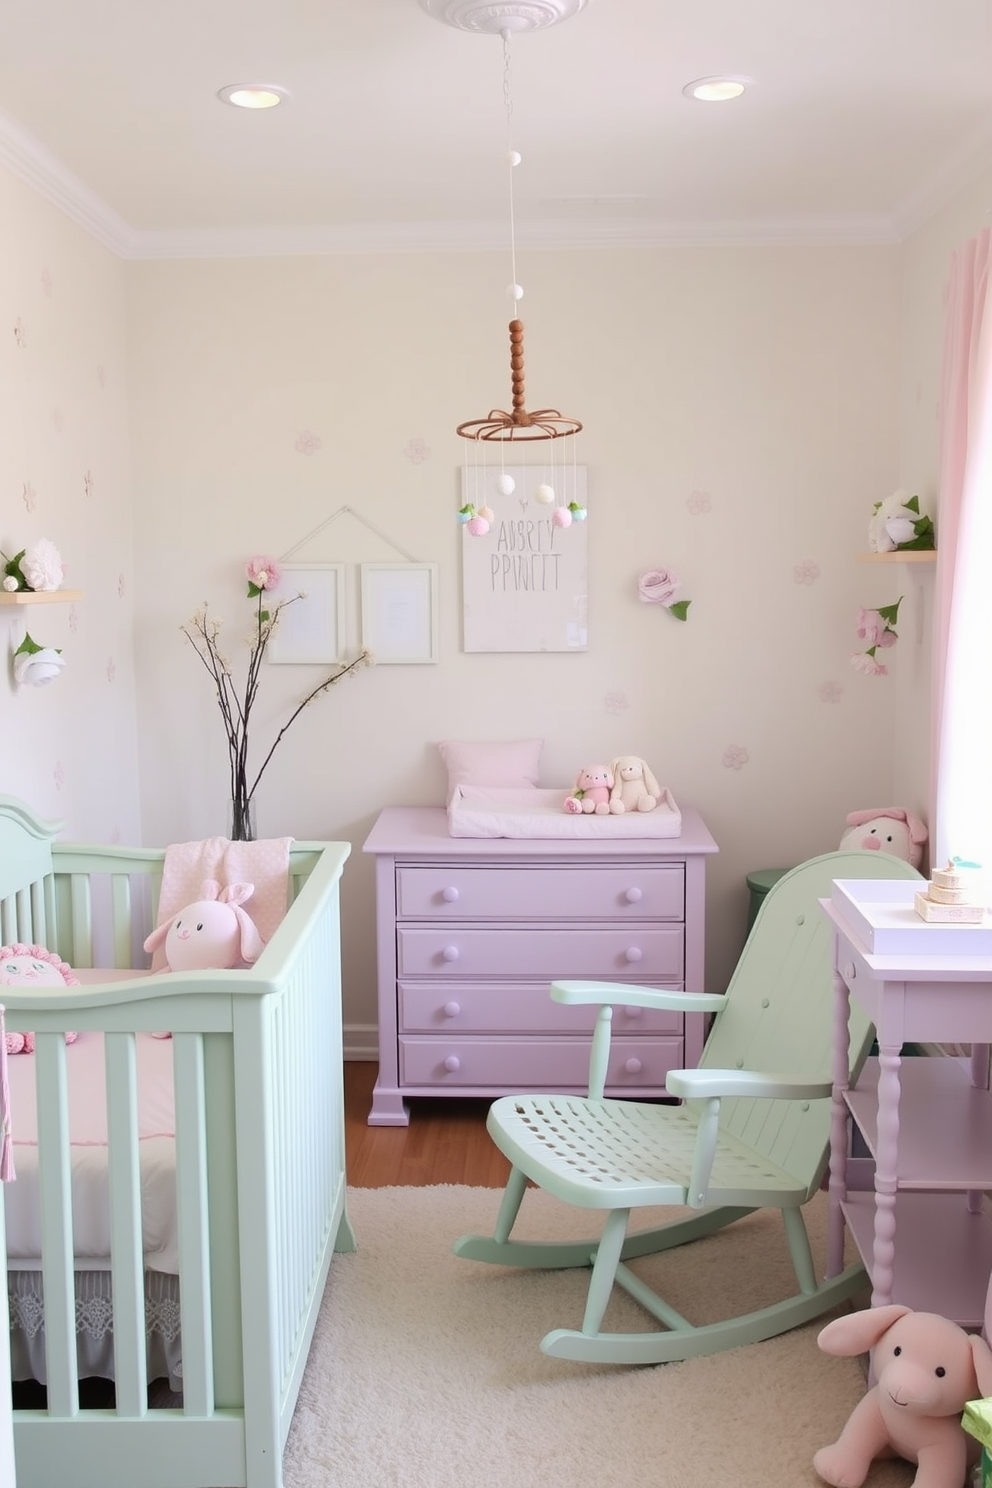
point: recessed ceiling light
(717, 89)
(252, 95)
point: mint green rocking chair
(752, 1131)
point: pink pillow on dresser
(503, 762)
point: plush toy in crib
(634, 786)
(33, 966)
(888, 829)
(927, 1369)
(593, 785)
(213, 932)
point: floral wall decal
(616, 702)
(308, 443)
(88, 484)
(417, 452)
(73, 619)
(47, 282)
(830, 691)
(101, 375)
(699, 502)
(58, 774)
(28, 495)
(806, 572)
(735, 757)
(20, 334)
(58, 419)
(111, 669)
(121, 586)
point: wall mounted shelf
(43, 596)
(910, 555)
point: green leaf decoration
(253, 590)
(680, 609)
(263, 616)
(913, 504)
(890, 613)
(29, 647)
(13, 568)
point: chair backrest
(779, 1016)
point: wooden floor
(446, 1141)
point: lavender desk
(472, 931)
(924, 1232)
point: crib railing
(260, 1176)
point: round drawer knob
(633, 1012)
(633, 896)
(452, 1009)
(633, 1066)
(452, 1064)
(633, 953)
(450, 953)
(450, 894)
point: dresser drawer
(559, 893)
(534, 1064)
(453, 1009)
(609, 951)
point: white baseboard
(361, 1042)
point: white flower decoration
(892, 509)
(42, 565)
(35, 668)
(10, 583)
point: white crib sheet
(88, 1128)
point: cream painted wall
(68, 749)
(766, 379)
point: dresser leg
(388, 1107)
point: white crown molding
(32, 163)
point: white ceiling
(864, 116)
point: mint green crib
(260, 1169)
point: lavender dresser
(471, 931)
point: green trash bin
(758, 883)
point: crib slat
(39, 918)
(191, 1197)
(56, 1225)
(121, 918)
(126, 1244)
(82, 920)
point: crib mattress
(88, 1136)
(477, 811)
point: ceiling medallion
(515, 16)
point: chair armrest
(694, 1084)
(620, 994)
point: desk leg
(838, 1127)
(884, 1251)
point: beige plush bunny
(634, 787)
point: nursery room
(487, 500)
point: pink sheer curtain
(961, 791)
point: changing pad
(480, 811)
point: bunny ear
(251, 941)
(857, 1332)
(157, 937)
(210, 889)
(236, 893)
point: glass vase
(242, 821)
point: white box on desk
(882, 913)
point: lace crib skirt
(94, 1326)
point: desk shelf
(945, 1124)
(40, 596)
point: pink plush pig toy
(927, 1369)
(887, 829)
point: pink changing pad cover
(492, 811)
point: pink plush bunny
(212, 932)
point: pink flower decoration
(699, 502)
(867, 665)
(308, 442)
(264, 573)
(806, 572)
(735, 757)
(417, 451)
(659, 586)
(73, 619)
(871, 627)
(616, 702)
(830, 692)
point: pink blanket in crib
(264, 863)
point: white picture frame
(311, 630)
(399, 612)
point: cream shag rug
(425, 1369)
